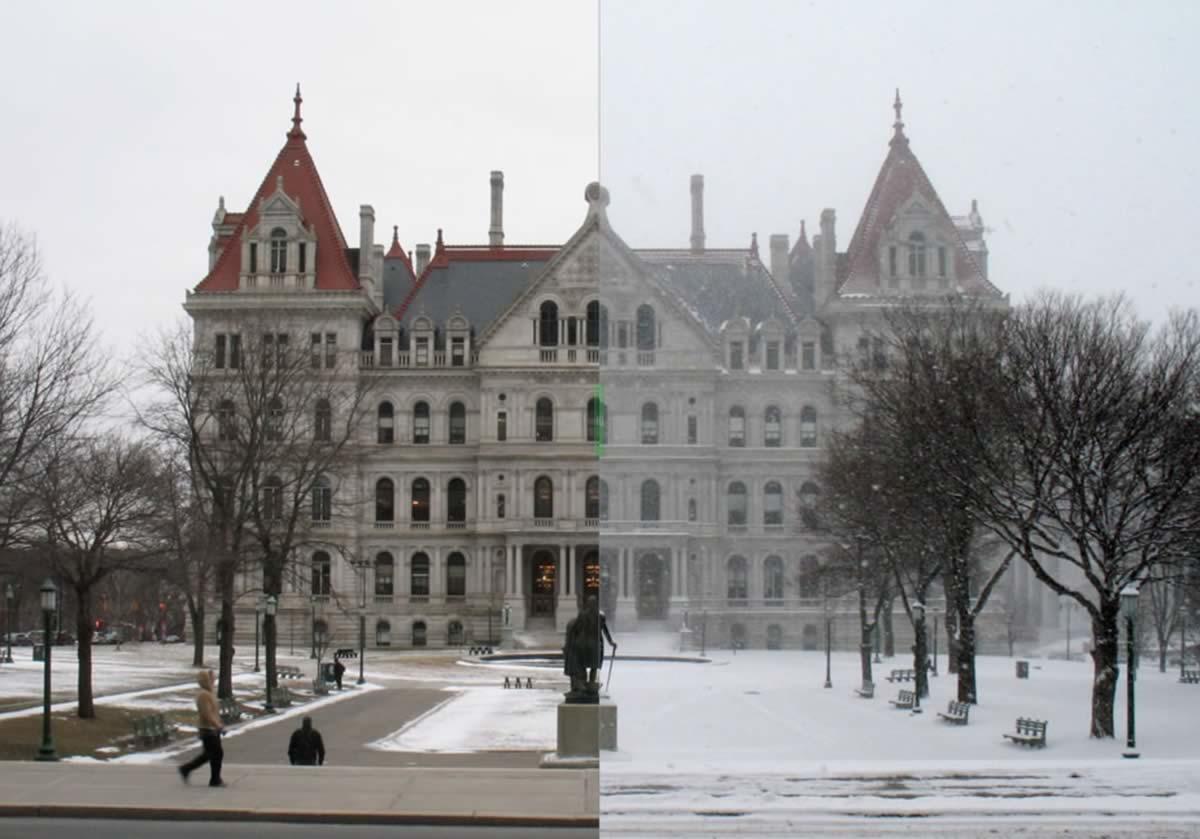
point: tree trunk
(967, 689)
(225, 675)
(951, 623)
(272, 585)
(921, 658)
(1162, 656)
(196, 613)
(864, 647)
(889, 637)
(1106, 671)
(83, 630)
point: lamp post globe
(49, 603)
(1129, 605)
(10, 599)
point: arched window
(548, 324)
(275, 420)
(649, 423)
(735, 574)
(421, 423)
(736, 498)
(383, 633)
(385, 571)
(272, 499)
(454, 633)
(226, 422)
(591, 498)
(810, 494)
(419, 635)
(650, 500)
(808, 427)
(456, 500)
(597, 421)
(386, 423)
(419, 575)
(458, 423)
(278, 251)
(322, 501)
(323, 422)
(647, 328)
(772, 503)
(543, 430)
(385, 500)
(916, 255)
(737, 426)
(456, 575)
(810, 577)
(773, 578)
(593, 324)
(772, 428)
(321, 574)
(543, 498)
(420, 500)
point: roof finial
(803, 232)
(296, 118)
(395, 234)
(754, 244)
(898, 125)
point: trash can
(39, 652)
(1022, 669)
(327, 674)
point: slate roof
(301, 183)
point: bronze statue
(583, 653)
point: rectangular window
(622, 335)
(735, 355)
(322, 503)
(458, 428)
(315, 350)
(303, 257)
(330, 350)
(456, 580)
(219, 358)
(691, 430)
(892, 261)
(941, 262)
(253, 257)
(458, 352)
(384, 585)
(420, 581)
(268, 353)
(500, 511)
(385, 352)
(235, 352)
(808, 356)
(422, 351)
(502, 426)
(772, 355)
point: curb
(87, 811)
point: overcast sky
(1075, 125)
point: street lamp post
(934, 618)
(268, 606)
(919, 677)
(362, 617)
(1129, 604)
(49, 605)
(312, 626)
(828, 628)
(10, 599)
(258, 618)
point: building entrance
(653, 579)
(543, 579)
(589, 577)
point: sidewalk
(331, 795)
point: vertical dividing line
(599, 87)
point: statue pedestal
(583, 730)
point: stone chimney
(422, 259)
(697, 214)
(366, 240)
(496, 230)
(826, 273)
(779, 257)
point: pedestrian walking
(306, 747)
(209, 725)
(338, 670)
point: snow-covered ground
(476, 719)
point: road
(347, 726)
(118, 829)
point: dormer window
(303, 266)
(735, 355)
(772, 355)
(278, 251)
(916, 255)
(254, 257)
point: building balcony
(407, 360)
(385, 525)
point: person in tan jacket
(209, 725)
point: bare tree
(99, 500)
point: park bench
(477, 650)
(956, 712)
(867, 691)
(902, 676)
(282, 697)
(288, 671)
(1029, 733)
(151, 730)
(1190, 677)
(230, 710)
(345, 652)
(516, 682)
(905, 701)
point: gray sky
(1075, 125)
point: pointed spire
(439, 245)
(395, 251)
(754, 245)
(297, 132)
(803, 233)
(898, 125)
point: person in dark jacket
(306, 747)
(338, 670)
